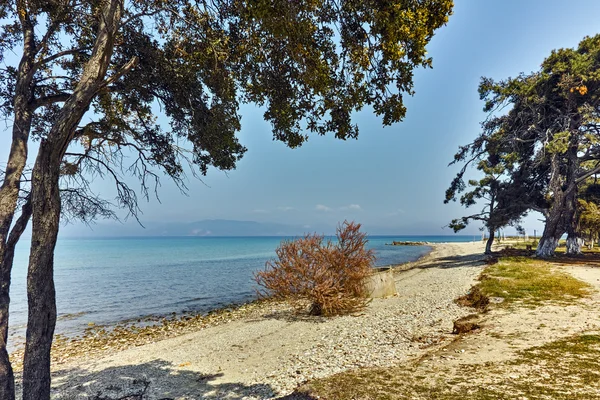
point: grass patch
(575, 359)
(564, 369)
(530, 282)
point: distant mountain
(209, 227)
(224, 227)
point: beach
(265, 350)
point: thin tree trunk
(9, 194)
(490, 241)
(7, 389)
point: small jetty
(400, 243)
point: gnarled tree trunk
(554, 227)
(574, 239)
(571, 213)
(490, 241)
(41, 318)
(553, 230)
(547, 246)
(574, 245)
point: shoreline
(155, 322)
(265, 347)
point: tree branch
(122, 71)
(47, 100)
(53, 57)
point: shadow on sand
(471, 260)
(155, 380)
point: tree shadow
(584, 260)
(297, 396)
(471, 260)
(156, 379)
(292, 316)
(587, 258)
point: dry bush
(329, 275)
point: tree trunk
(46, 206)
(41, 318)
(574, 245)
(490, 241)
(553, 231)
(9, 194)
(554, 227)
(7, 388)
(572, 216)
(546, 247)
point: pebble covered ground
(392, 331)
(263, 350)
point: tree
(94, 76)
(500, 195)
(550, 134)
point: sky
(392, 179)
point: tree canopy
(548, 138)
(164, 80)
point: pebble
(389, 332)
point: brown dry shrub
(329, 275)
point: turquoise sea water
(114, 279)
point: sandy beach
(269, 350)
(265, 350)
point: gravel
(269, 351)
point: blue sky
(391, 179)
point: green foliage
(547, 143)
(499, 207)
(309, 65)
(559, 143)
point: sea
(104, 281)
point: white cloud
(285, 208)
(321, 207)
(355, 207)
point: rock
(380, 284)
(496, 300)
(466, 324)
